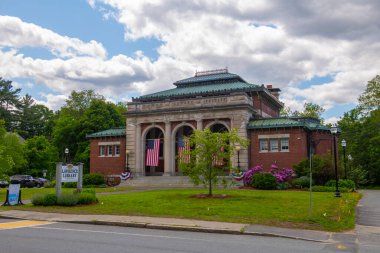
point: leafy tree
(34, 119)
(370, 99)
(312, 110)
(207, 149)
(11, 152)
(79, 102)
(309, 110)
(40, 154)
(9, 102)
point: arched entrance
(154, 152)
(220, 128)
(181, 143)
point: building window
(274, 145)
(117, 150)
(102, 150)
(263, 145)
(285, 144)
(109, 148)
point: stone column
(199, 124)
(138, 152)
(167, 149)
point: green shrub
(45, 200)
(342, 183)
(264, 181)
(283, 186)
(67, 199)
(322, 168)
(91, 191)
(86, 198)
(300, 183)
(321, 188)
(51, 184)
(93, 179)
(70, 185)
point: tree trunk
(209, 183)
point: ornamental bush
(282, 175)
(45, 200)
(248, 175)
(93, 179)
(300, 183)
(264, 181)
(344, 183)
(321, 188)
(86, 198)
(67, 199)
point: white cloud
(279, 42)
(17, 34)
(266, 41)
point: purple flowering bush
(248, 175)
(282, 175)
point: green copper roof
(108, 133)
(310, 123)
(207, 78)
(204, 89)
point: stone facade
(233, 111)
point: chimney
(274, 91)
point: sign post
(68, 173)
(58, 179)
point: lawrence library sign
(157, 123)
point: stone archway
(149, 135)
(181, 131)
(218, 127)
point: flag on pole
(152, 152)
(218, 161)
(183, 150)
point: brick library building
(157, 124)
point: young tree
(207, 149)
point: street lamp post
(238, 154)
(334, 131)
(66, 155)
(344, 144)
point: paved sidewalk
(175, 224)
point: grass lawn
(276, 208)
(28, 193)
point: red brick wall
(297, 148)
(322, 142)
(107, 165)
(265, 106)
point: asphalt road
(64, 237)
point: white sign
(14, 193)
(70, 173)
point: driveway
(368, 221)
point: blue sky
(322, 52)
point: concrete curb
(169, 227)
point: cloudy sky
(316, 51)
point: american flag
(218, 161)
(183, 150)
(152, 152)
